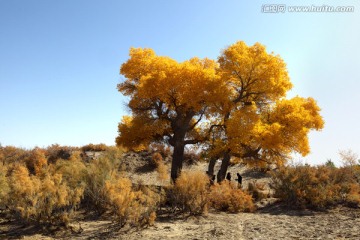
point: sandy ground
(270, 221)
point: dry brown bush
(36, 161)
(97, 173)
(318, 187)
(56, 152)
(349, 158)
(94, 147)
(49, 194)
(4, 185)
(227, 197)
(190, 192)
(43, 199)
(257, 190)
(130, 206)
(161, 168)
(11, 155)
(191, 156)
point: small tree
(330, 163)
(349, 158)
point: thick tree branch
(200, 118)
(192, 141)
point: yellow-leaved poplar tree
(257, 123)
(236, 106)
(169, 99)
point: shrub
(97, 173)
(45, 199)
(47, 193)
(73, 172)
(56, 152)
(4, 185)
(130, 206)
(36, 161)
(94, 147)
(316, 187)
(191, 156)
(353, 196)
(330, 163)
(11, 155)
(227, 197)
(190, 192)
(114, 155)
(161, 168)
(256, 189)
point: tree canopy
(258, 124)
(168, 100)
(236, 106)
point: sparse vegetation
(318, 187)
(48, 187)
(39, 191)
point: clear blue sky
(59, 61)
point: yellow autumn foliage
(149, 77)
(261, 126)
(253, 74)
(167, 98)
(236, 105)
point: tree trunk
(177, 160)
(180, 126)
(224, 166)
(212, 163)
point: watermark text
(283, 8)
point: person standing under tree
(239, 180)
